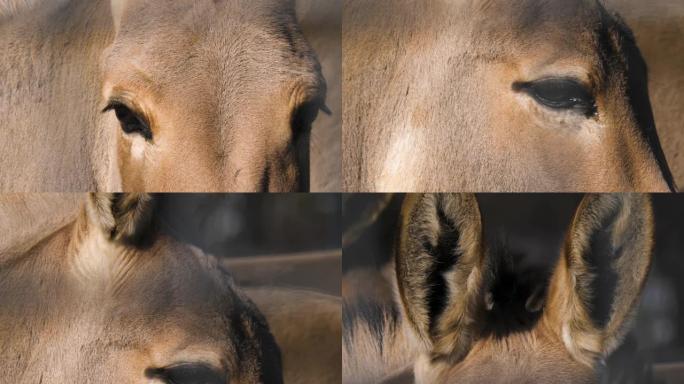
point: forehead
(532, 15)
(189, 308)
(233, 47)
(176, 275)
(194, 39)
(143, 13)
(187, 23)
(568, 25)
(525, 357)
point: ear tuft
(126, 218)
(596, 286)
(440, 267)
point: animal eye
(305, 115)
(131, 122)
(560, 94)
(187, 374)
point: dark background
(276, 240)
(534, 226)
(240, 225)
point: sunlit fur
(219, 82)
(82, 301)
(566, 343)
(430, 104)
(657, 25)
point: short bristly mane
(24, 219)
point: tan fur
(219, 84)
(658, 26)
(564, 346)
(632, 231)
(82, 306)
(368, 360)
(307, 327)
(321, 22)
(452, 335)
(23, 220)
(429, 104)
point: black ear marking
(595, 289)
(441, 269)
(446, 254)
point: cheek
(138, 149)
(130, 159)
(401, 159)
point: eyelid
(117, 100)
(164, 373)
(523, 85)
(585, 102)
(123, 101)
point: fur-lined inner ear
(597, 283)
(440, 270)
(125, 218)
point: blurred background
(279, 239)
(658, 26)
(321, 22)
(532, 227)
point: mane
(27, 219)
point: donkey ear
(125, 218)
(440, 268)
(596, 286)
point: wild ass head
(107, 299)
(475, 327)
(210, 95)
(478, 95)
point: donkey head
(112, 300)
(451, 293)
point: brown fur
(609, 234)
(307, 327)
(220, 90)
(658, 26)
(429, 103)
(321, 22)
(83, 305)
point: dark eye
(560, 94)
(305, 115)
(187, 374)
(131, 122)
